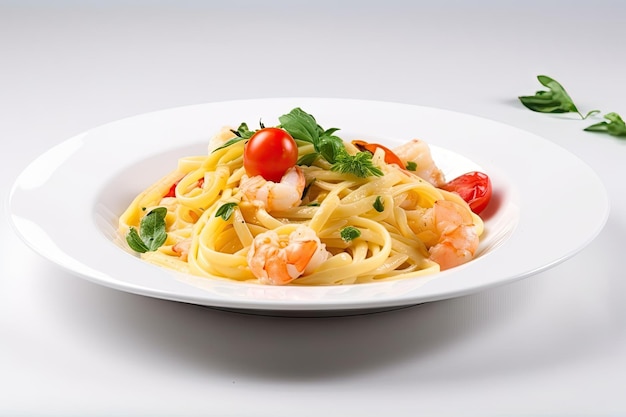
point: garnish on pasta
(295, 204)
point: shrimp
(275, 195)
(279, 259)
(417, 151)
(453, 237)
(182, 249)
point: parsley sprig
(151, 235)
(349, 233)
(303, 126)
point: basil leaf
(134, 241)
(300, 125)
(614, 125)
(226, 210)
(330, 147)
(558, 93)
(349, 233)
(555, 100)
(544, 103)
(152, 228)
(151, 235)
(411, 166)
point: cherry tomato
(473, 187)
(390, 156)
(270, 152)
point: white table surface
(552, 344)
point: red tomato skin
(270, 152)
(390, 156)
(172, 190)
(473, 187)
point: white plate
(547, 204)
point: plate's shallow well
(538, 217)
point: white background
(553, 344)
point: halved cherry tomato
(473, 187)
(390, 156)
(270, 152)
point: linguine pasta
(211, 224)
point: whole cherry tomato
(473, 187)
(270, 152)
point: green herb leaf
(379, 206)
(152, 228)
(226, 210)
(554, 100)
(359, 164)
(151, 235)
(135, 242)
(308, 159)
(329, 132)
(330, 147)
(228, 143)
(411, 166)
(349, 233)
(242, 133)
(614, 125)
(301, 125)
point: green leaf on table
(554, 100)
(613, 125)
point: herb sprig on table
(613, 125)
(553, 100)
(557, 100)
